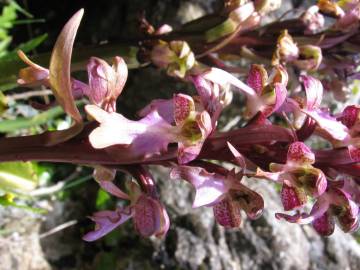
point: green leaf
(20, 176)
(25, 47)
(18, 8)
(8, 16)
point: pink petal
(281, 93)
(354, 153)
(150, 135)
(210, 187)
(106, 82)
(240, 160)
(165, 108)
(224, 78)
(314, 92)
(164, 222)
(110, 187)
(328, 124)
(106, 221)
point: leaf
(18, 8)
(25, 47)
(20, 176)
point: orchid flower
(327, 126)
(305, 57)
(152, 134)
(148, 213)
(313, 20)
(286, 49)
(224, 193)
(350, 20)
(334, 203)
(298, 177)
(105, 82)
(350, 117)
(175, 56)
(263, 94)
(270, 90)
(214, 97)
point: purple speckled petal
(299, 153)
(324, 225)
(292, 198)
(227, 213)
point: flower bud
(33, 75)
(106, 82)
(286, 50)
(313, 20)
(310, 58)
(175, 56)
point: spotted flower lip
(152, 134)
(334, 204)
(298, 177)
(224, 193)
(149, 215)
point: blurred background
(41, 226)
